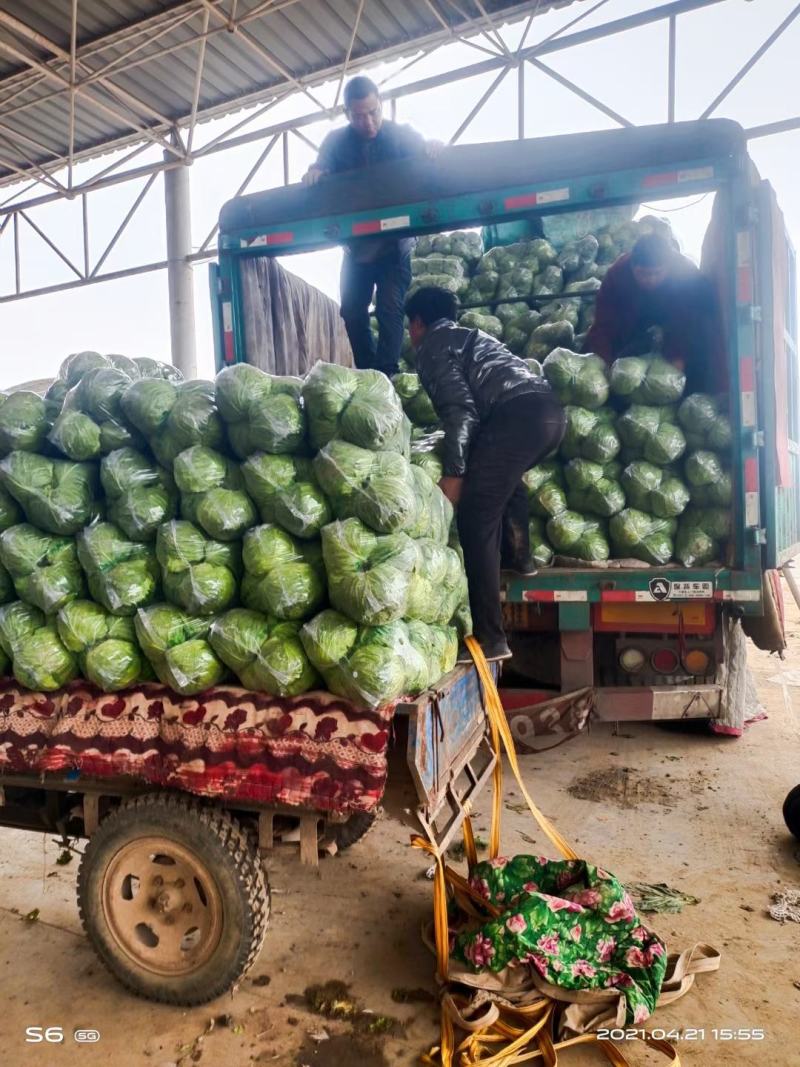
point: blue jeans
(389, 278)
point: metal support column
(177, 199)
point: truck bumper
(658, 702)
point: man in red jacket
(654, 285)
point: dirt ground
(698, 812)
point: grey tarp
(288, 324)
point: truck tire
(357, 826)
(791, 811)
(174, 898)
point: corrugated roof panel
(152, 47)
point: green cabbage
(376, 487)
(716, 495)
(199, 575)
(434, 512)
(23, 422)
(479, 320)
(211, 493)
(44, 569)
(76, 435)
(266, 475)
(56, 495)
(262, 411)
(279, 580)
(361, 407)
(416, 402)
(106, 646)
(302, 509)
(702, 535)
(546, 494)
(703, 468)
(369, 576)
(639, 536)
(540, 549)
(577, 379)
(590, 435)
(18, 621)
(155, 368)
(54, 398)
(42, 663)
(650, 433)
(123, 575)
(266, 655)
(140, 495)
(174, 417)
(438, 583)
(574, 535)
(75, 366)
(10, 511)
(549, 336)
(178, 649)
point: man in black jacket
(372, 264)
(499, 420)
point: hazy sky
(629, 73)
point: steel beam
(177, 201)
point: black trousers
(493, 510)
(388, 278)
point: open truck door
(776, 340)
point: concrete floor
(716, 833)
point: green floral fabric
(573, 923)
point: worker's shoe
(492, 653)
(524, 568)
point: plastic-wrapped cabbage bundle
(369, 576)
(590, 435)
(376, 487)
(56, 495)
(123, 575)
(92, 422)
(54, 398)
(717, 494)
(74, 367)
(515, 284)
(703, 468)
(636, 535)
(650, 433)
(416, 402)
(575, 535)
(24, 422)
(466, 244)
(39, 659)
(140, 494)
(704, 423)
(456, 286)
(438, 583)
(283, 577)
(44, 569)
(198, 574)
(577, 379)
(265, 654)
(359, 406)
(426, 454)
(7, 590)
(482, 288)
(212, 493)
(174, 416)
(519, 321)
(303, 509)
(540, 549)
(702, 535)
(548, 336)
(10, 512)
(647, 380)
(548, 282)
(653, 489)
(438, 645)
(177, 646)
(156, 368)
(106, 646)
(437, 264)
(434, 512)
(477, 319)
(546, 496)
(265, 476)
(594, 488)
(560, 311)
(261, 411)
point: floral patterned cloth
(573, 923)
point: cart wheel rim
(162, 906)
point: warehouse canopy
(81, 78)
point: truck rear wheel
(174, 898)
(791, 811)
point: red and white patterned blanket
(314, 751)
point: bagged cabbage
(717, 494)
(540, 549)
(647, 380)
(56, 495)
(97, 396)
(653, 489)
(76, 435)
(650, 433)
(369, 576)
(416, 402)
(74, 367)
(548, 282)
(174, 416)
(262, 412)
(577, 379)
(456, 286)
(704, 424)
(437, 264)
(212, 493)
(480, 320)
(702, 536)
(376, 487)
(108, 652)
(198, 574)
(438, 583)
(139, 494)
(434, 512)
(644, 537)
(359, 406)
(437, 646)
(265, 654)
(515, 284)
(426, 454)
(593, 488)
(590, 435)
(482, 288)
(177, 646)
(54, 398)
(547, 336)
(24, 422)
(156, 368)
(265, 476)
(123, 575)
(703, 468)
(44, 569)
(302, 509)
(546, 496)
(283, 578)
(10, 511)
(40, 661)
(7, 590)
(575, 535)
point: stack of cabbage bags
(445, 260)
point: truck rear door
(779, 380)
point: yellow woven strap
(498, 725)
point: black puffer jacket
(467, 373)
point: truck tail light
(632, 660)
(664, 661)
(697, 662)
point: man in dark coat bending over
(380, 265)
(499, 420)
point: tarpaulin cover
(289, 325)
(780, 329)
(315, 752)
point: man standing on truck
(379, 265)
(654, 285)
(499, 420)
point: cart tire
(356, 827)
(791, 811)
(174, 898)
